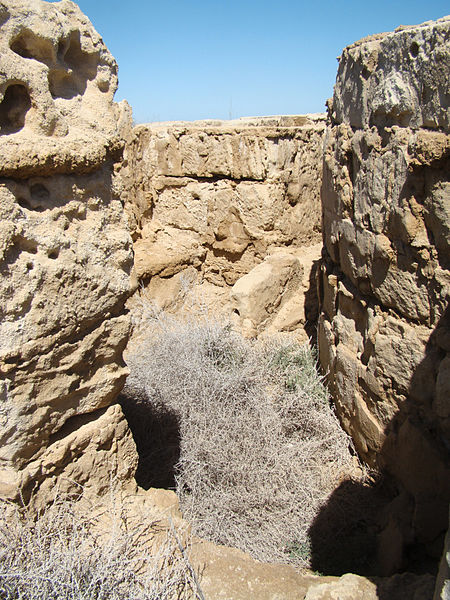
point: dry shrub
(260, 447)
(63, 555)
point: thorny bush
(66, 555)
(260, 446)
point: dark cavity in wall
(29, 45)
(156, 434)
(13, 108)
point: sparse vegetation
(260, 448)
(65, 555)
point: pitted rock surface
(57, 83)
(65, 253)
(396, 78)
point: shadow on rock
(157, 437)
(397, 524)
(312, 303)
(343, 536)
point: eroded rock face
(398, 78)
(65, 253)
(279, 294)
(210, 200)
(384, 330)
(57, 83)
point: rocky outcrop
(234, 208)
(209, 200)
(279, 294)
(384, 328)
(57, 83)
(65, 254)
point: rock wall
(209, 200)
(234, 208)
(65, 255)
(384, 328)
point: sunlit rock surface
(208, 201)
(384, 330)
(65, 254)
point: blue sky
(202, 59)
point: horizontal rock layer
(209, 200)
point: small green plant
(299, 551)
(298, 365)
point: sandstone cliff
(384, 332)
(65, 255)
(209, 200)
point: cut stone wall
(208, 201)
(65, 255)
(384, 327)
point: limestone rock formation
(384, 330)
(209, 200)
(348, 587)
(279, 294)
(398, 78)
(257, 294)
(233, 207)
(65, 253)
(57, 82)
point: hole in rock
(366, 73)
(75, 68)
(414, 49)
(13, 108)
(53, 254)
(24, 203)
(76, 58)
(156, 433)
(75, 384)
(28, 45)
(27, 245)
(39, 193)
(62, 44)
(62, 84)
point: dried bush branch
(67, 556)
(260, 447)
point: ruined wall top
(398, 78)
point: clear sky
(201, 59)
